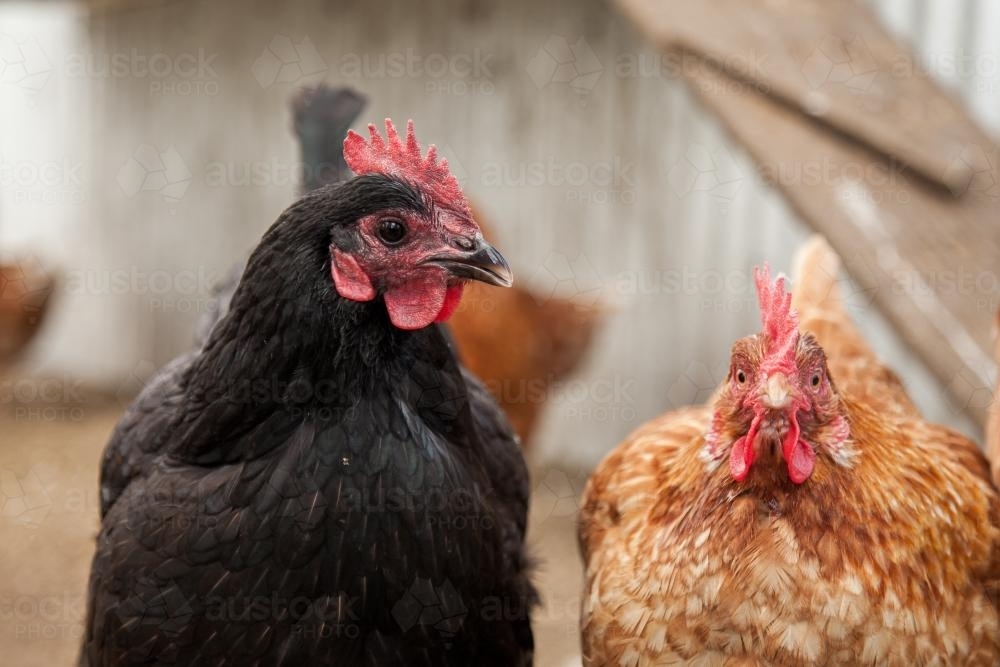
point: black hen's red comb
(395, 157)
(780, 322)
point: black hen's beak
(480, 262)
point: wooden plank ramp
(890, 170)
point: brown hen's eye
(816, 380)
(741, 377)
(391, 231)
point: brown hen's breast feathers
(890, 561)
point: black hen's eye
(816, 379)
(741, 377)
(391, 230)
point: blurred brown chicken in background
(24, 301)
(519, 344)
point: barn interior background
(146, 146)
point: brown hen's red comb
(403, 160)
(779, 320)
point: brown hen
(808, 516)
(24, 301)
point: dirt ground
(48, 520)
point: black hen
(322, 483)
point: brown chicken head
(778, 398)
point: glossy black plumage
(312, 486)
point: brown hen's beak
(481, 262)
(777, 392)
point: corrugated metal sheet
(686, 212)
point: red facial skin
(416, 293)
(764, 402)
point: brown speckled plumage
(889, 557)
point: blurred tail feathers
(817, 268)
(321, 120)
(823, 312)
